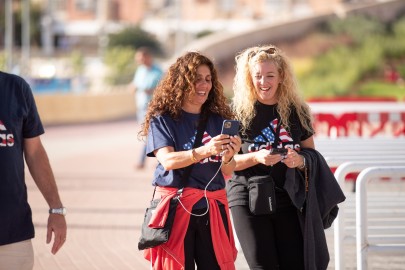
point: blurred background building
(68, 24)
(87, 46)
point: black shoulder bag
(262, 189)
(152, 237)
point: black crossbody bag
(152, 237)
(262, 189)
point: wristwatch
(60, 211)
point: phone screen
(230, 127)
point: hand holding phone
(276, 151)
(230, 127)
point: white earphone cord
(205, 196)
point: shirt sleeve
(159, 135)
(32, 125)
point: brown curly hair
(178, 83)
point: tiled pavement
(106, 198)
(104, 195)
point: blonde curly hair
(178, 83)
(287, 95)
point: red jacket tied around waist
(171, 254)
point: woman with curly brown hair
(189, 93)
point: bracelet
(255, 159)
(229, 161)
(192, 156)
(303, 164)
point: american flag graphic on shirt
(284, 136)
(2, 126)
(269, 135)
(6, 139)
(206, 138)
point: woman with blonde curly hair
(273, 118)
(189, 93)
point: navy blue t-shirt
(19, 119)
(180, 134)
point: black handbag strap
(197, 142)
(202, 123)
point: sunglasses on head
(270, 50)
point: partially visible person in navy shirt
(20, 130)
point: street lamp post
(47, 33)
(9, 35)
(26, 45)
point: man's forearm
(41, 171)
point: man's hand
(41, 171)
(57, 226)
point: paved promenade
(106, 199)
(105, 196)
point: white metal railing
(341, 172)
(335, 162)
(362, 244)
(331, 147)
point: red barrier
(358, 116)
(401, 130)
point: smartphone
(281, 151)
(230, 127)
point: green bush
(135, 37)
(35, 23)
(2, 61)
(119, 56)
(394, 47)
(401, 70)
(204, 33)
(340, 68)
(77, 62)
(369, 55)
(120, 61)
(336, 72)
(356, 27)
(381, 89)
(399, 28)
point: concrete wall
(224, 46)
(56, 109)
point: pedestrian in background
(202, 234)
(146, 78)
(20, 130)
(273, 116)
